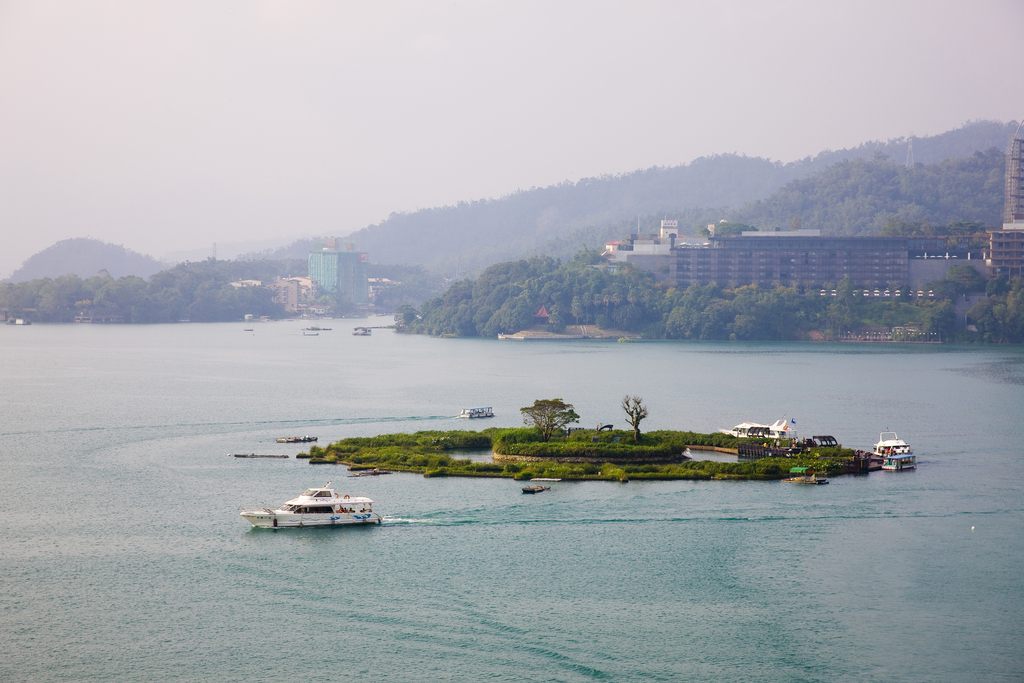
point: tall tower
(1014, 207)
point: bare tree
(635, 412)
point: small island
(609, 455)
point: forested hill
(472, 235)
(859, 196)
(84, 256)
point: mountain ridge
(471, 235)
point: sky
(168, 126)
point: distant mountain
(471, 235)
(299, 249)
(84, 256)
(247, 250)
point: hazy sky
(166, 126)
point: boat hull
(277, 520)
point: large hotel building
(791, 258)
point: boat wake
(327, 421)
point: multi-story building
(342, 273)
(286, 292)
(1005, 254)
(307, 287)
(791, 258)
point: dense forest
(199, 292)
(190, 291)
(506, 296)
(556, 220)
(860, 196)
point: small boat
(316, 507)
(895, 453)
(535, 489)
(805, 475)
(361, 332)
(296, 439)
(895, 463)
(370, 473)
(890, 444)
(247, 329)
(253, 455)
(310, 334)
(780, 429)
(477, 412)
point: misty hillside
(472, 235)
(853, 197)
(84, 256)
(858, 196)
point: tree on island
(635, 412)
(548, 416)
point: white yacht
(896, 454)
(780, 429)
(316, 507)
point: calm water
(123, 556)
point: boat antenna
(327, 485)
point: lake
(124, 556)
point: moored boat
(780, 429)
(891, 444)
(316, 507)
(296, 439)
(895, 463)
(805, 475)
(535, 489)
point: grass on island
(430, 453)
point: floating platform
(254, 455)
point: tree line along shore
(584, 454)
(506, 298)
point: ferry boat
(805, 475)
(896, 454)
(477, 412)
(316, 507)
(780, 429)
(361, 332)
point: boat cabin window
(323, 494)
(316, 510)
